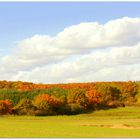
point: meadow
(123, 122)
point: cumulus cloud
(114, 64)
(85, 52)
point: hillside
(26, 98)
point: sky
(62, 42)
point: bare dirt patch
(121, 126)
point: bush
(129, 92)
(6, 107)
(47, 104)
(76, 109)
(93, 98)
(24, 107)
(77, 96)
(109, 94)
(113, 104)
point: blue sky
(60, 42)
(20, 20)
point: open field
(120, 122)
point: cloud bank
(80, 53)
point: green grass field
(120, 122)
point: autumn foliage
(24, 98)
(5, 107)
(46, 104)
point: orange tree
(46, 104)
(6, 107)
(93, 98)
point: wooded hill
(26, 98)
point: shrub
(6, 107)
(129, 91)
(93, 98)
(113, 104)
(77, 96)
(24, 107)
(76, 109)
(109, 94)
(46, 104)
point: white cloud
(114, 64)
(83, 52)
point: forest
(26, 98)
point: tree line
(25, 98)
